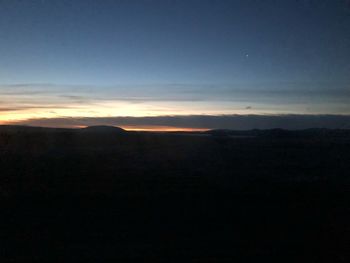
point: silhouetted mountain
(270, 133)
(103, 129)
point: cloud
(262, 91)
(176, 98)
(237, 122)
(3, 109)
(31, 107)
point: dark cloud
(8, 109)
(73, 97)
(20, 108)
(25, 89)
(237, 122)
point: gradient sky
(100, 59)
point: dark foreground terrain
(104, 194)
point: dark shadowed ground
(105, 194)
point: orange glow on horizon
(162, 129)
(149, 128)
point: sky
(65, 61)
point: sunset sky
(175, 64)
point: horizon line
(197, 122)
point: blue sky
(152, 58)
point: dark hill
(103, 129)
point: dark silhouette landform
(103, 129)
(102, 193)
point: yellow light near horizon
(79, 111)
(106, 109)
(35, 108)
(161, 128)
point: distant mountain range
(90, 129)
(277, 133)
